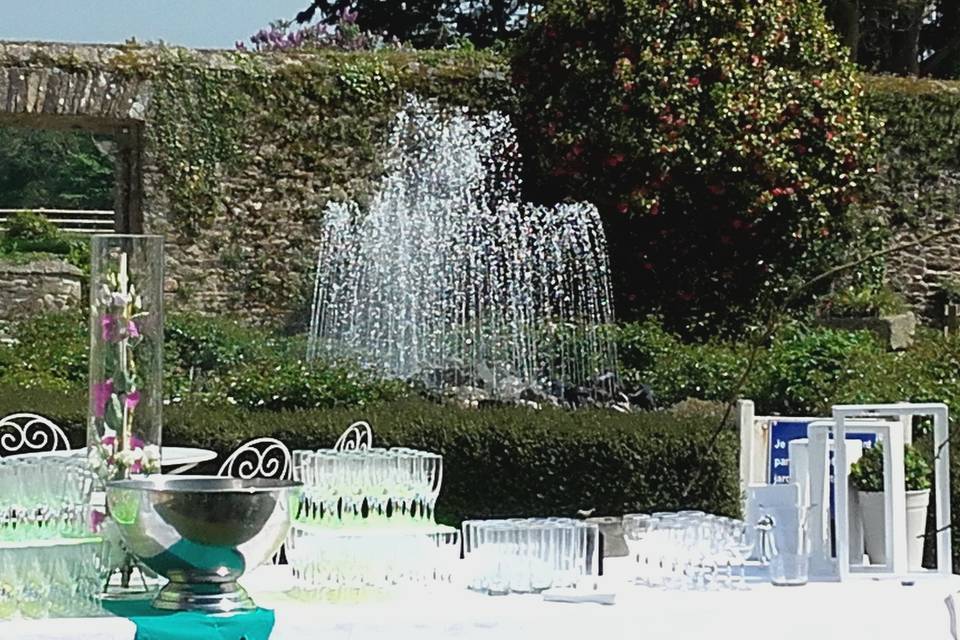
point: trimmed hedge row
(498, 462)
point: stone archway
(80, 99)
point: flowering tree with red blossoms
(722, 140)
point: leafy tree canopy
(54, 169)
(911, 37)
(430, 23)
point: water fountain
(450, 278)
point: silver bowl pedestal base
(205, 597)
(202, 533)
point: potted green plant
(867, 477)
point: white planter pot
(874, 534)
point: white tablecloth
(861, 609)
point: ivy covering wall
(916, 187)
(919, 146)
(244, 158)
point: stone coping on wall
(45, 266)
(38, 286)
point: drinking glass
(691, 556)
(789, 561)
(636, 527)
(743, 541)
(327, 486)
(671, 528)
(495, 545)
(434, 479)
(789, 569)
(477, 556)
(33, 587)
(541, 563)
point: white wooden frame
(894, 484)
(755, 441)
(822, 561)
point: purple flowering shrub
(344, 35)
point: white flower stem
(123, 280)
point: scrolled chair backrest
(30, 433)
(259, 458)
(357, 437)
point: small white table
(182, 459)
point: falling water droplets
(448, 268)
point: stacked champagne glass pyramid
(52, 563)
(365, 521)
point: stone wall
(919, 274)
(915, 191)
(46, 285)
(232, 157)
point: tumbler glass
(789, 569)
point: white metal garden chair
(259, 458)
(357, 437)
(30, 433)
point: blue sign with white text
(782, 433)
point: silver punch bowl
(202, 533)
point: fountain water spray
(448, 270)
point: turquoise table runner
(169, 625)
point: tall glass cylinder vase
(126, 355)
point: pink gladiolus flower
(109, 441)
(107, 327)
(101, 396)
(136, 443)
(111, 330)
(96, 520)
(133, 399)
(136, 467)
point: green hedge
(31, 236)
(919, 146)
(803, 370)
(798, 372)
(497, 462)
(207, 359)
